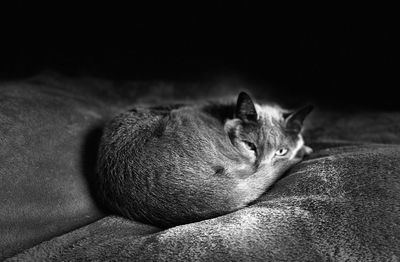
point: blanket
(342, 203)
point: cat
(180, 164)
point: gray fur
(171, 166)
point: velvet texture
(341, 203)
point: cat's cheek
(279, 162)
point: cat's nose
(307, 150)
(304, 151)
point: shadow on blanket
(89, 157)
(342, 203)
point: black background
(337, 55)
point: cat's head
(267, 135)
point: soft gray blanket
(340, 204)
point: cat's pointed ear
(294, 121)
(245, 109)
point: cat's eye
(251, 145)
(281, 152)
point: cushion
(340, 203)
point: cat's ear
(245, 109)
(294, 121)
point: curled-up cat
(171, 166)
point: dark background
(335, 55)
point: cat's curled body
(178, 165)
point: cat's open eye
(281, 152)
(250, 145)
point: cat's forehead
(269, 114)
(272, 125)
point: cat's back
(148, 156)
(154, 139)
